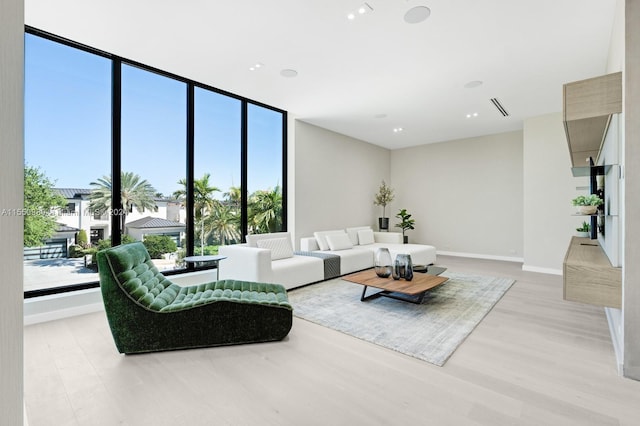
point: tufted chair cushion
(141, 280)
(147, 312)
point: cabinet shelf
(588, 106)
(589, 277)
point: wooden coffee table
(409, 291)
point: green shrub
(125, 239)
(208, 251)
(82, 239)
(157, 245)
(76, 250)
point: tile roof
(154, 222)
(61, 227)
(70, 193)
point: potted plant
(583, 231)
(382, 198)
(405, 224)
(587, 204)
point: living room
(499, 218)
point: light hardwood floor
(534, 360)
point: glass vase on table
(382, 263)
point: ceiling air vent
(499, 106)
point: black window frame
(116, 152)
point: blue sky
(68, 125)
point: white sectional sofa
(361, 240)
(270, 258)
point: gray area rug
(431, 331)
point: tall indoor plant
(382, 198)
(406, 223)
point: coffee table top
(419, 284)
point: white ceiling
(349, 72)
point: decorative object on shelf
(382, 262)
(405, 224)
(587, 204)
(382, 198)
(583, 231)
(402, 267)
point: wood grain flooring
(534, 360)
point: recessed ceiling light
(417, 14)
(398, 130)
(256, 66)
(366, 7)
(289, 73)
(473, 84)
(473, 114)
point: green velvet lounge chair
(147, 312)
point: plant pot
(405, 239)
(383, 223)
(583, 234)
(587, 209)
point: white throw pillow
(252, 239)
(280, 247)
(339, 241)
(321, 238)
(353, 233)
(365, 236)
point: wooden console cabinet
(588, 106)
(588, 275)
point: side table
(203, 260)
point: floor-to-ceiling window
(153, 158)
(264, 165)
(194, 167)
(67, 145)
(217, 170)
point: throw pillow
(339, 241)
(321, 238)
(353, 233)
(280, 247)
(365, 236)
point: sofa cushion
(321, 238)
(280, 247)
(365, 237)
(339, 242)
(252, 239)
(353, 233)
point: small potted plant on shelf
(406, 223)
(382, 198)
(587, 204)
(583, 231)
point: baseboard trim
(481, 256)
(541, 270)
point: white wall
(631, 269)
(11, 194)
(336, 178)
(549, 187)
(465, 195)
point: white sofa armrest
(387, 237)
(245, 263)
(309, 244)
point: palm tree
(225, 222)
(134, 192)
(266, 210)
(234, 196)
(203, 201)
